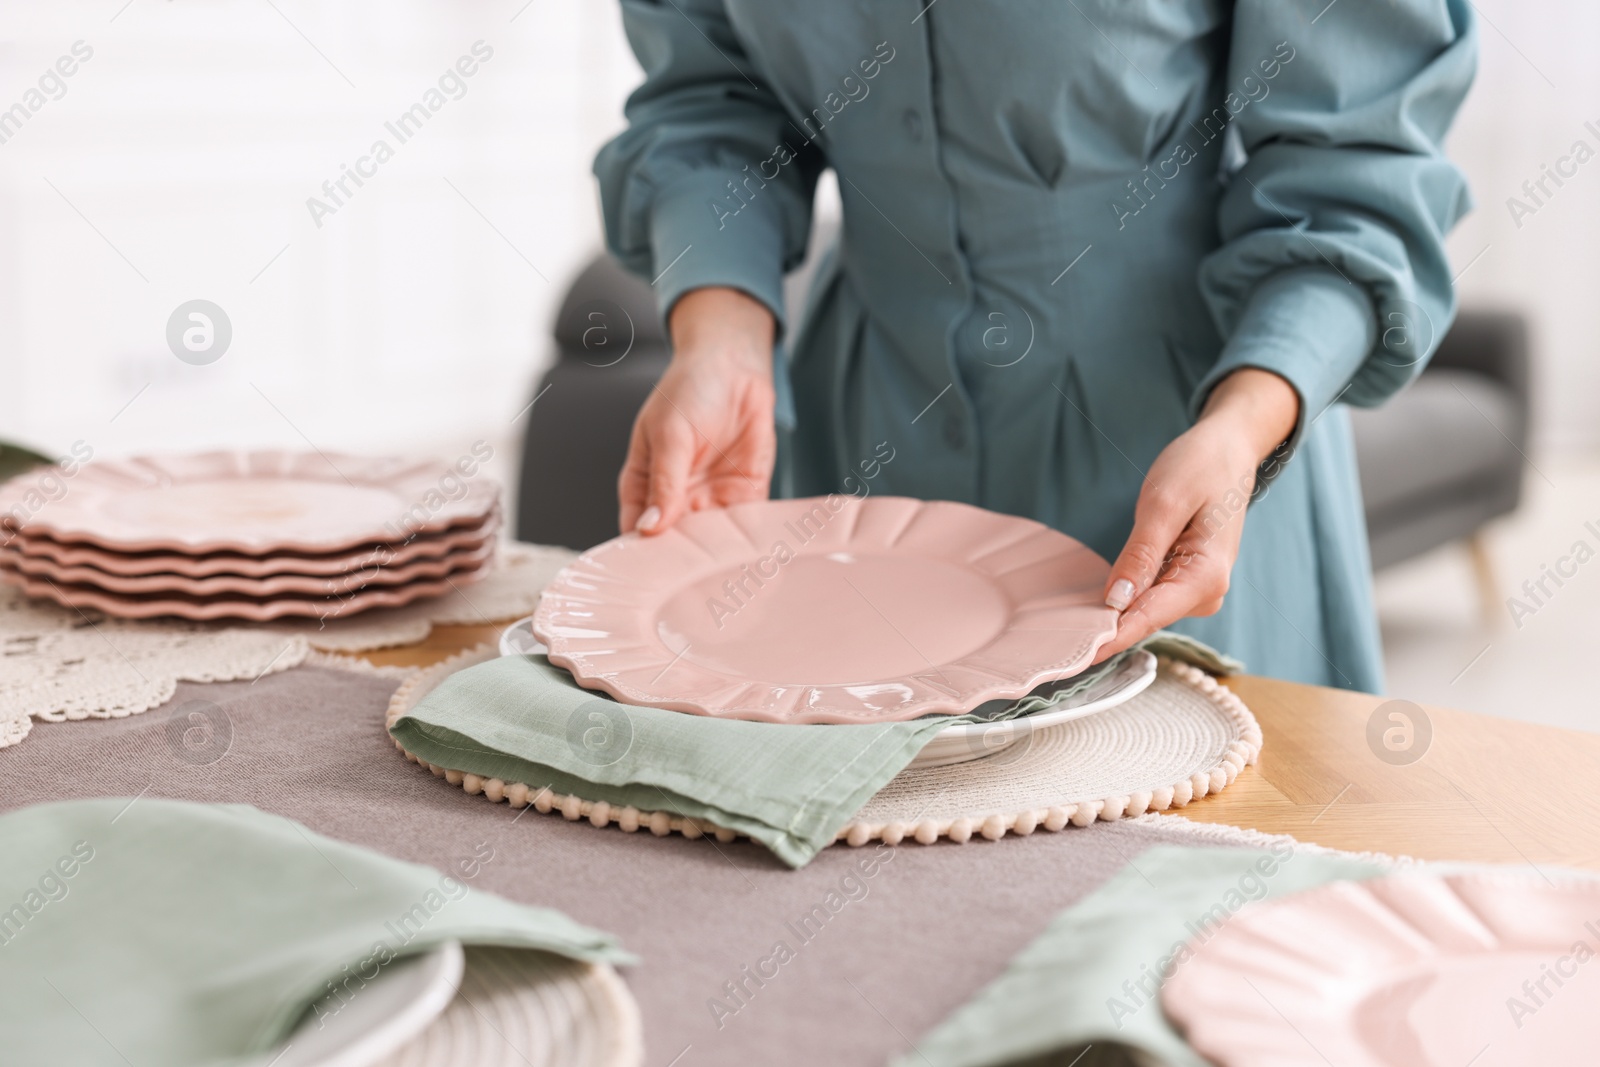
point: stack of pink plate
(247, 535)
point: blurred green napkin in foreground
(163, 932)
(1086, 991)
(791, 787)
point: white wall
(192, 138)
(1537, 86)
(191, 142)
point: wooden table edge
(1340, 769)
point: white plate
(963, 741)
(518, 640)
(381, 1016)
(970, 741)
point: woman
(1107, 264)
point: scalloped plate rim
(224, 585)
(266, 610)
(1196, 1017)
(434, 544)
(481, 497)
(516, 638)
(1017, 686)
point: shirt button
(954, 434)
(913, 124)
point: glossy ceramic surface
(235, 606)
(252, 502)
(393, 1008)
(829, 610)
(963, 741)
(1406, 971)
(210, 564)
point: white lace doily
(59, 664)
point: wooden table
(1484, 789)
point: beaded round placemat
(517, 1008)
(1184, 737)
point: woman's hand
(1191, 510)
(705, 437)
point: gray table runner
(880, 944)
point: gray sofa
(609, 351)
(1437, 463)
(1447, 455)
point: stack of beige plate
(247, 535)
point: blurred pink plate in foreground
(1406, 971)
(253, 502)
(829, 610)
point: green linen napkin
(1088, 985)
(172, 933)
(791, 787)
(1178, 646)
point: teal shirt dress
(1063, 222)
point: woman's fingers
(670, 462)
(708, 418)
(633, 484)
(1191, 584)
(1190, 513)
(653, 486)
(687, 454)
(1162, 605)
(752, 453)
(1158, 519)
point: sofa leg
(1483, 575)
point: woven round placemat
(1184, 737)
(517, 1008)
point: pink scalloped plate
(252, 502)
(235, 606)
(829, 610)
(377, 571)
(1407, 971)
(212, 564)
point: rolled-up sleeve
(1332, 271)
(703, 187)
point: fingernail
(1121, 594)
(652, 516)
